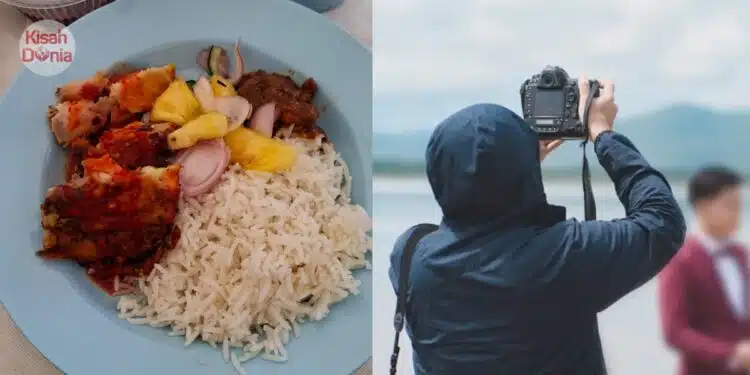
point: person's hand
(740, 360)
(545, 147)
(603, 109)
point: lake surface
(630, 329)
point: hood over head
(483, 165)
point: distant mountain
(679, 139)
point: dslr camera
(550, 104)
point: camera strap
(589, 204)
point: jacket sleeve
(609, 259)
(673, 289)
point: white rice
(251, 251)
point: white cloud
(656, 51)
(708, 47)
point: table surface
(17, 355)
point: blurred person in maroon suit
(704, 291)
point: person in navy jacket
(507, 285)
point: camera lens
(547, 79)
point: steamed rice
(258, 255)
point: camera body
(550, 104)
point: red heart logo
(41, 54)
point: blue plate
(72, 322)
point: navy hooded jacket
(506, 285)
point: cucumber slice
(214, 59)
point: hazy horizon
(678, 138)
(734, 111)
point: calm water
(630, 330)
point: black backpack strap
(417, 233)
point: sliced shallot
(202, 58)
(263, 119)
(238, 68)
(236, 108)
(202, 166)
(204, 93)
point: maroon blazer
(696, 317)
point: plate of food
(192, 194)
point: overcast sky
(434, 56)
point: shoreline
(597, 174)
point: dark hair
(711, 181)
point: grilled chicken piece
(120, 117)
(114, 247)
(86, 89)
(111, 214)
(77, 119)
(96, 86)
(136, 92)
(136, 145)
(133, 146)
